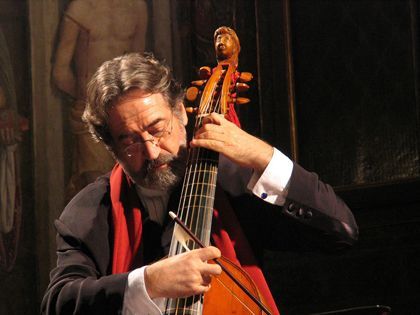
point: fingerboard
(195, 210)
(198, 191)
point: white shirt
(271, 186)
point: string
(200, 158)
(180, 224)
(234, 295)
(198, 192)
(198, 187)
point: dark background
(336, 88)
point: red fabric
(229, 237)
(127, 222)
(227, 234)
(232, 116)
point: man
(93, 31)
(106, 246)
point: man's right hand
(182, 275)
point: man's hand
(219, 134)
(182, 275)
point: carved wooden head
(226, 44)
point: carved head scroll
(226, 44)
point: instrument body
(225, 297)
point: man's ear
(183, 114)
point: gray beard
(167, 178)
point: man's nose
(151, 150)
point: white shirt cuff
(136, 299)
(272, 185)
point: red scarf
(227, 234)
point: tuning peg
(191, 110)
(242, 100)
(204, 72)
(242, 87)
(245, 77)
(199, 82)
(238, 100)
(192, 93)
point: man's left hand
(220, 135)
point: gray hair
(119, 75)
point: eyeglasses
(137, 147)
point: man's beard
(167, 178)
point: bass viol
(233, 292)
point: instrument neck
(197, 196)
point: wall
(19, 265)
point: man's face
(149, 139)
